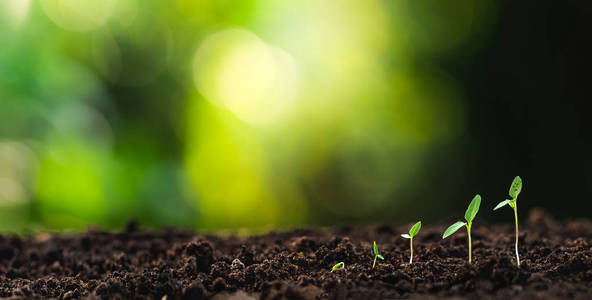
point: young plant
(515, 189)
(376, 254)
(412, 232)
(469, 216)
(338, 266)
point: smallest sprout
(340, 265)
(376, 254)
(412, 232)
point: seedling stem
(516, 244)
(339, 265)
(411, 246)
(469, 233)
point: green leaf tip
(515, 187)
(415, 229)
(337, 266)
(375, 248)
(502, 204)
(453, 228)
(379, 256)
(473, 208)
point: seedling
(515, 189)
(469, 216)
(412, 232)
(376, 254)
(340, 265)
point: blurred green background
(219, 114)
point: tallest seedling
(469, 216)
(515, 190)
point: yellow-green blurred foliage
(223, 114)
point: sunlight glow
(78, 15)
(15, 11)
(237, 70)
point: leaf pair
(515, 189)
(376, 251)
(469, 216)
(413, 231)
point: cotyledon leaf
(502, 204)
(453, 228)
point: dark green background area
(264, 114)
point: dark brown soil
(556, 263)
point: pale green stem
(411, 245)
(375, 256)
(516, 218)
(469, 233)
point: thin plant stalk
(374, 264)
(469, 234)
(516, 245)
(411, 246)
(338, 266)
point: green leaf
(415, 229)
(453, 228)
(406, 236)
(516, 187)
(375, 248)
(379, 256)
(502, 204)
(473, 208)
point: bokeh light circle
(237, 70)
(16, 12)
(76, 15)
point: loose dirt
(138, 264)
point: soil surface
(172, 264)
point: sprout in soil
(376, 254)
(469, 216)
(412, 232)
(337, 266)
(515, 189)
